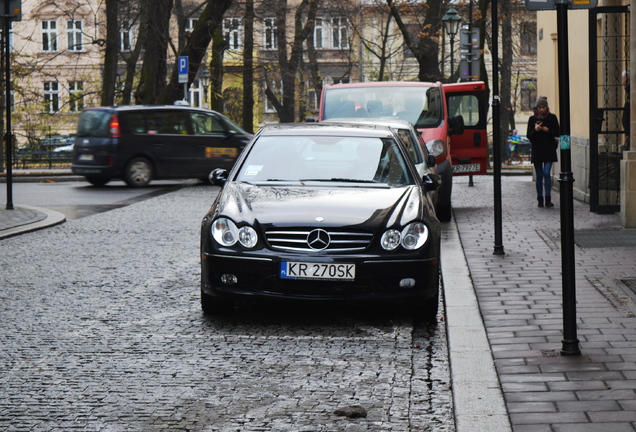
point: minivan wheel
(97, 181)
(138, 172)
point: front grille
(297, 240)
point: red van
(451, 118)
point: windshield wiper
(340, 179)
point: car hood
(287, 206)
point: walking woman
(543, 133)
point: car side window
(407, 139)
(204, 124)
(166, 123)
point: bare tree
(424, 44)
(289, 57)
(109, 77)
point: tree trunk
(154, 68)
(216, 71)
(109, 79)
(248, 68)
(196, 47)
(506, 71)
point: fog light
(229, 279)
(407, 283)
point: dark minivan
(139, 144)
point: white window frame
(76, 96)
(269, 108)
(319, 34)
(233, 31)
(270, 41)
(127, 36)
(75, 39)
(51, 96)
(339, 33)
(49, 35)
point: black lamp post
(452, 22)
(204, 79)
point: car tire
(211, 305)
(138, 172)
(97, 181)
(426, 309)
(443, 213)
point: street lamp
(204, 79)
(452, 22)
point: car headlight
(226, 233)
(436, 147)
(412, 237)
(390, 240)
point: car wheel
(138, 173)
(443, 213)
(215, 306)
(97, 181)
(425, 310)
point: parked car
(452, 119)
(322, 212)
(411, 139)
(139, 144)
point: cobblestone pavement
(101, 330)
(520, 297)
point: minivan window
(167, 122)
(420, 105)
(94, 123)
(203, 124)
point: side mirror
(431, 182)
(431, 161)
(456, 125)
(218, 177)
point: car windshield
(420, 105)
(325, 159)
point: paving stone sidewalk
(520, 297)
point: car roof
(385, 84)
(377, 121)
(148, 108)
(325, 129)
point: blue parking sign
(183, 65)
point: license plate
(86, 157)
(317, 271)
(464, 168)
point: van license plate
(317, 271)
(465, 168)
(86, 157)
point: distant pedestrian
(513, 146)
(543, 133)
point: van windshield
(420, 105)
(94, 123)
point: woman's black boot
(548, 202)
(540, 199)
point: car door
(165, 139)
(215, 145)
(469, 151)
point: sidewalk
(25, 218)
(519, 295)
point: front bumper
(376, 279)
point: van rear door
(469, 151)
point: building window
(528, 94)
(318, 34)
(74, 35)
(271, 42)
(51, 97)
(269, 107)
(10, 35)
(126, 36)
(529, 38)
(232, 29)
(76, 96)
(340, 38)
(49, 36)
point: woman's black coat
(544, 144)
